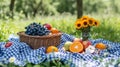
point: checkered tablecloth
(23, 53)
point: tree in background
(32, 8)
(79, 8)
(35, 9)
(95, 6)
(66, 6)
(11, 7)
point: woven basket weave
(40, 41)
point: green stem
(85, 33)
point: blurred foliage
(101, 6)
(53, 63)
(31, 8)
(66, 6)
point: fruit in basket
(76, 47)
(67, 45)
(48, 26)
(36, 29)
(54, 31)
(52, 49)
(86, 44)
(8, 44)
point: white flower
(12, 36)
(90, 49)
(12, 59)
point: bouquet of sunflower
(84, 24)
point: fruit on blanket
(54, 31)
(67, 45)
(52, 49)
(100, 46)
(8, 44)
(86, 44)
(90, 49)
(77, 40)
(82, 52)
(63, 48)
(76, 47)
(48, 26)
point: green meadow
(108, 29)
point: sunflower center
(85, 23)
(90, 21)
(78, 25)
(95, 23)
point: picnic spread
(42, 43)
(22, 52)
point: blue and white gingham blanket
(23, 53)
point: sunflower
(78, 24)
(91, 21)
(96, 23)
(85, 23)
(84, 18)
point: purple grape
(36, 29)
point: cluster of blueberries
(36, 29)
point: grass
(108, 29)
(54, 63)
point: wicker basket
(40, 41)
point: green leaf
(29, 65)
(37, 65)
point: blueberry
(36, 29)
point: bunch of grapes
(36, 29)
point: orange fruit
(52, 49)
(100, 46)
(76, 47)
(54, 30)
(82, 51)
